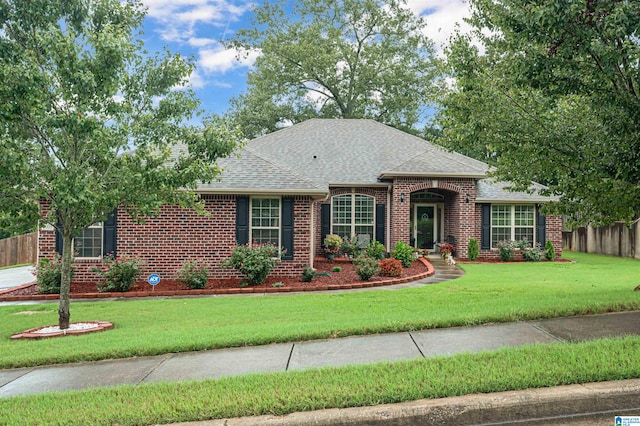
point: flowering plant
(119, 273)
(48, 273)
(446, 249)
(390, 267)
(332, 243)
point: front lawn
(282, 393)
(487, 293)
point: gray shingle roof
(248, 172)
(488, 190)
(309, 157)
(340, 150)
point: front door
(426, 225)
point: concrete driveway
(14, 277)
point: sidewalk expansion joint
(417, 346)
(168, 356)
(31, 370)
(546, 332)
(290, 355)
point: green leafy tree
(334, 59)
(553, 97)
(89, 120)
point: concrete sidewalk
(313, 354)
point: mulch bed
(343, 280)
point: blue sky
(196, 28)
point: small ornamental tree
(89, 120)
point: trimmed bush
(308, 273)
(194, 274)
(255, 262)
(336, 269)
(376, 250)
(118, 274)
(532, 254)
(506, 250)
(549, 251)
(473, 249)
(48, 273)
(365, 267)
(390, 267)
(404, 253)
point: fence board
(19, 250)
(615, 240)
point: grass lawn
(281, 393)
(487, 293)
(16, 266)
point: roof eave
(515, 200)
(360, 184)
(469, 175)
(316, 194)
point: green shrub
(390, 268)
(119, 273)
(254, 262)
(337, 269)
(194, 273)
(522, 244)
(532, 254)
(48, 273)
(365, 267)
(351, 246)
(506, 249)
(308, 273)
(549, 251)
(473, 250)
(405, 253)
(376, 250)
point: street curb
(534, 405)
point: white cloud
(442, 18)
(177, 18)
(201, 42)
(220, 60)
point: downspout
(312, 234)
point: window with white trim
(353, 214)
(89, 243)
(265, 221)
(512, 222)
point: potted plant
(332, 244)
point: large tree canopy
(88, 120)
(554, 97)
(334, 58)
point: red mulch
(346, 276)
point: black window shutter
(242, 220)
(287, 227)
(59, 239)
(486, 227)
(109, 234)
(541, 227)
(325, 221)
(380, 223)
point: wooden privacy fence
(615, 240)
(19, 250)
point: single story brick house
(298, 184)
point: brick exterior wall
(458, 214)
(178, 234)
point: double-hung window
(353, 214)
(89, 243)
(265, 221)
(512, 222)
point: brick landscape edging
(245, 290)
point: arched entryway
(427, 219)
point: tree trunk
(65, 284)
